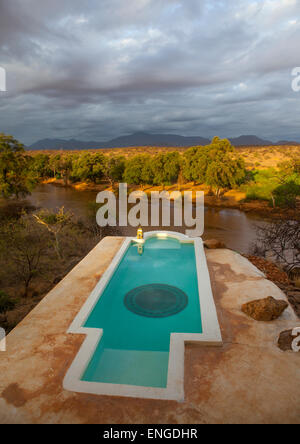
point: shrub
(262, 185)
(286, 194)
(6, 302)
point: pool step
(129, 367)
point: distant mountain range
(146, 139)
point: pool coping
(211, 335)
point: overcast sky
(98, 69)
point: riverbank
(233, 199)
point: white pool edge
(211, 335)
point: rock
(285, 340)
(214, 244)
(267, 309)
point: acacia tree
(138, 170)
(113, 169)
(82, 167)
(289, 170)
(166, 168)
(216, 165)
(54, 222)
(15, 177)
(39, 165)
(23, 245)
(195, 162)
(224, 168)
(281, 240)
(65, 167)
(87, 166)
(54, 163)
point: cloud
(95, 70)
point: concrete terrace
(248, 380)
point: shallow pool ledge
(210, 336)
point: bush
(286, 195)
(253, 195)
(261, 185)
(6, 303)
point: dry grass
(268, 157)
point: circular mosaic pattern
(156, 300)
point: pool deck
(248, 380)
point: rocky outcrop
(267, 309)
(286, 339)
(214, 244)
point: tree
(216, 165)
(54, 163)
(289, 169)
(54, 222)
(166, 168)
(281, 241)
(91, 220)
(23, 245)
(15, 177)
(113, 169)
(87, 166)
(138, 170)
(40, 165)
(98, 167)
(195, 162)
(224, 169)
(82, 167)
(65, 167)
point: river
(236, 228)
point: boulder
(285, 340)
(267, 309)
(214, 244)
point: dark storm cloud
(102, 68)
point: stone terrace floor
(248, 380)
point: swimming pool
(151, 300)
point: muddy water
(235, 228)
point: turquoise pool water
(134, 349)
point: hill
(145, 139)
(250, 141)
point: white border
(211, 335)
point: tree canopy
(217, 165)
(16, 179)
(138, 170)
